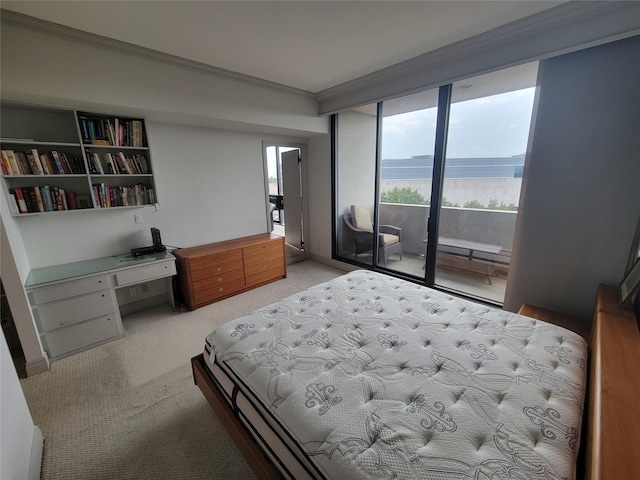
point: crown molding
(26, 22)
(568, 27)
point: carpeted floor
(129, 409)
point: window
(455, 156)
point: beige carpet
(129, 409)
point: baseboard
(35, 458)
(37, 366)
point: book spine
(39, 201)
(58, 163)
(22, 205)
(34, 151)
(4, 163)
(13, 204)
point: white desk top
(65, 271)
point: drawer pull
(219, 279)
(218, 269)
(221, 289)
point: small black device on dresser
(155, 248)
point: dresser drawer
(215, 264)
(69, 289)
(209, 291)
(266, 264)
(256, 254)
(82, 335)
(264, 276)
(67, 312)
(146, 273)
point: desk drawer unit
(68, 340)
(77, 309)
(69, 289)
(144, 274)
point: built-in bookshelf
(57, 160)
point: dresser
(208, 273)
(75, 305)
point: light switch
(137, 217)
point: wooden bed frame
(610, 447)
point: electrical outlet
(144, 288)
(132, 291)
(137, 217)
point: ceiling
(308, 45)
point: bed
(371, 376)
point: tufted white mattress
(371, 376)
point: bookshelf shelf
(58, 160)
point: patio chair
(361, 227)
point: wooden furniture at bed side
(581, 326)
(613, 438)
(212, 272)
(261, 466)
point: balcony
(474, 250)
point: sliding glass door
(436, 175)
(485, 153)
(406, 170)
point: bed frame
(611, 429)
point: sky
(496, 126)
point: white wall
(210, 187)
(581, 194)
(209, 179)
(45, 67)
(20, 439)
(318, 222)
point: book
(125, 163)
(3, 163)
(33, 167)
(13, 162)
(36, 156)
(23, 162)
(111, 167)
(47, 166)
(29, 200)
(39, 200)
(61, 161)
(98, 163)
(6, 162)
(72, 201)
(22, 205)
(46, 198)
(13, 204)
(84, 129)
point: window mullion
(442, 126)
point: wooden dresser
(208, 273)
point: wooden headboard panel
(613, 418)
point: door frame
(303, 172)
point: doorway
(284, 185)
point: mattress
(371, 376)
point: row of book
(31, 162)
(117, 163)
(111, 132)
(41, 199)
(120, 196)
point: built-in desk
(75, 305)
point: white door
(292, 193)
